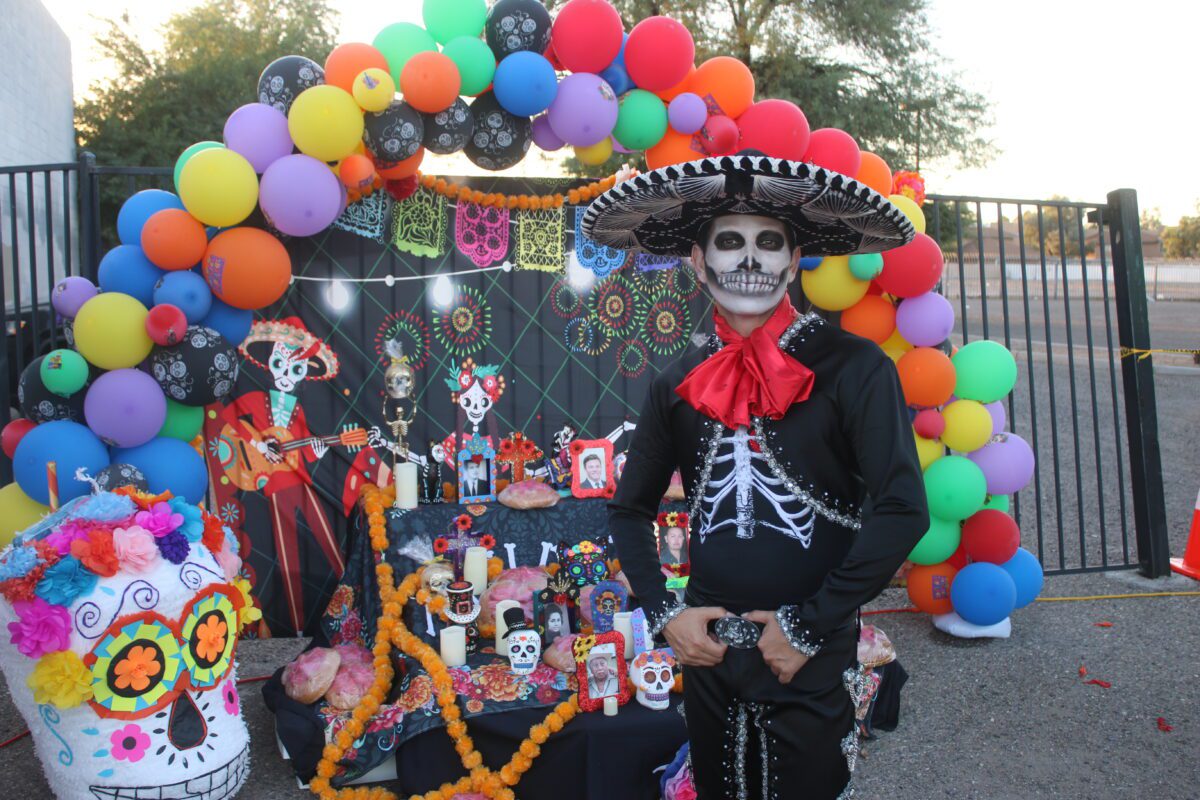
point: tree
(1058, 232)
(1182, 240)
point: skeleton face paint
(286, 371)
(475, 402)
(746, 263)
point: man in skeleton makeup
(798, 460)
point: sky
(1088, 95)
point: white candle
(623, 624)
(453, 641)
(610, 706)
(405, 479)
(501, 627)
(475, 569)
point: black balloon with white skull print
(39, 404)
(500, 139)
(514, 25)
(449, 131)
(199, 370)
(285, 78)
(395, 133)
(115, 476)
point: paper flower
(60, 679)
(193, 518)
(96, 552)
(463, 522)
(230, 562)
(135, 548)
(229, 694)
(62, 539)
(160, 519)
(210, 636)
(135, 670)
(487, 541)
(65, 581)
(174, 547)
(214, 532)
(106, 507)
(247, 613)
(20, 562)
(40, 628)
(129, 743)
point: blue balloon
(983, 593)
(1026, 572)
(615, 73)
(126, 269)
(524, 83)
(169, 465)
(70, 446)
(186, 290)
(810, 262)
(232, 323)
(139, 208)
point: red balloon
(550, 56)
(719, 135)
(835, 150)
(166, 324)
(587, 35)
(959, 559)
(13, 433)
(929, 424)
(775, 127)
(990, 535)
(913, 269)
(659, 53)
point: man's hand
(783, 659)
(688, 636)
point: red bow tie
(750, 376)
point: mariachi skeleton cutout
(524, 646)
(653, 673)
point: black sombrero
(663, 211)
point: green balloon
(447, 19)
(938, 543)
(475, 61)
(401, 41)
(183, 422)
(64, 372)
(955, 488)
(984, 370)
(186, 154)
(866, 266)
(641, 120)
(999, 502)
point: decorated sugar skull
(584, 563)
(437, 576)
(746, 262)
(476, 388)
(653, 674)
(120, 626)
(524, 645)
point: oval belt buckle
(737, 632)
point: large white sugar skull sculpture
(524, 650)
(155, 650)
(653, 673)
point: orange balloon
(395, 170)
(430, 82)
(874, 172)
(356, 172)
(728, 80)
(247, 267)
(927, 377)
(174, 239)
(346, 61)
(667, 95)
(872, 318)
(929, 587)
(673, 148)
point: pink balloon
(587, 35)
(659, 53)
(834, 150)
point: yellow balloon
(110, 331)
(218, 187)
(968, 426)
(374, 89)
(928, 450)
(910, 209)
(595, 154)
(17, 512)
(325, 123)
(832, 286)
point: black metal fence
(1061, 284)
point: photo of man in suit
(594, 475)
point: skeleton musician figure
(798, 458)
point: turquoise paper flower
(65, 581)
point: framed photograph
(672, 535)
(601, 670)
(477, 472)
(556, 609)
(592, 473)
(608, 598)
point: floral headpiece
(673, 519)
(488, 376)
(911, 185)
(653, 657)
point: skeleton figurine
(653, 674)
(431, 473)
(524, 645)
(399, 408)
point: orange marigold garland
(584, 194)
(495, 784)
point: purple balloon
(584, 111)
(925, 320)
(620, 148)
(125, 407)
(999, 416)
(259, 133)
(1007, 463)
(71, 293)
(299, 195)
(544, 136)
(687, 113)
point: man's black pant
(752, 737)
